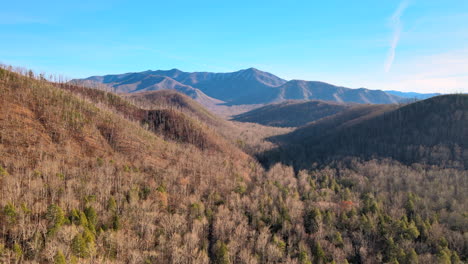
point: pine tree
(312, 221)
(221, 253)
(319, 254)
(59, 258)
(79, 247)
(304, 258)
(412, 257)
(112, 205)
(56, 218)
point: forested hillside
(89, 177)
(433, 131)
(291, 113)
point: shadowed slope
(291, 113)
(433, 131)
(169, 99)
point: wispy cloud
(395, 23)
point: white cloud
(395, 23)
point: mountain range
(244, 87)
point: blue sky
(413, 45)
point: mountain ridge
(247, 86)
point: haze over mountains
(249, 86)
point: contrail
(395, 23)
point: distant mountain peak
(252, 69)
(246, 86)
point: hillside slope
(170, 99)
(89, 176)
(291, 113)
(433, 131)
(84, 180)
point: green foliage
(312, 220)
(412, 257)
(115, 222)
(443, 242)
(304, 258)
(409, 206)
(161, 188)
(83, 244)
(412, 231)
(18, 251)
(240, 188)
(59, 258)
(79, 247)
(370, 204)
(328, 218)
(346, 194)
(89, 199)
(127, 168)
(3, 172)
(83, 219)
(61, 176)
(74, 217)
(25, 209)
(455, 259)
(221, 253)
(443, 257)
(145, 191)
(197, 210)
(319, 254)
(56, 218)
(91, 215)
(10, 212)
(111, 204)
(337, 239)
(391, 250)
(279, 243)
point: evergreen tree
(312, 221)
(319, 254)
(304, 258)
(221, 253)
(79, 247)
(412, 257)
(56, 218)
(59, 258)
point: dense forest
(89, 177)
(433, 131)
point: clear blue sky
(417, 45)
